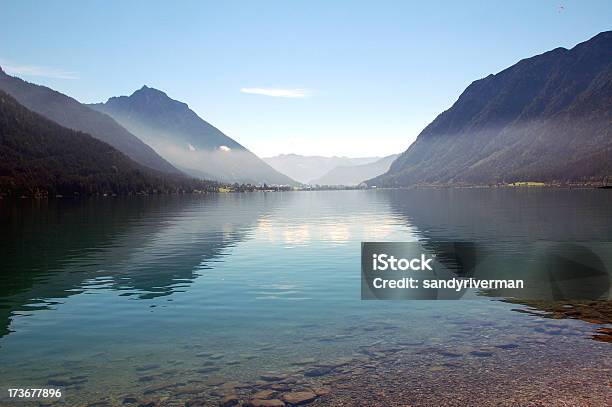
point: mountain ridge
(178, 134)
(149, 100)
(527, 122)
(306, 168)
(351, 175)
(41, 157)
(72, 114)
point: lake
(174, 298)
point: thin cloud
(278, 93)
(35, 70)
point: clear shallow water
(128, 293)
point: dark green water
(127, 293)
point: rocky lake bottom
(529, 359)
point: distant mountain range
(39, 157)
(309, 168)
(547, 118)
(69, 113)
(187, 141)
(351, 175)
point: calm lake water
(110, 296)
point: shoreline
(283, 189)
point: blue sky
(310, 77)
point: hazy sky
(309, 77)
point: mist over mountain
(308, 168)
(189, 142)
(546, 118)
(355, 174)
(40, 157)
(69, 113)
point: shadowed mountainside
(546, 118)
(40, 157)
(69, 113)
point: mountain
(547, 118)
(355, 174)
(307, 168)
(40, 157)
(182, 137)
(69, 113)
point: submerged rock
(266, 403)
(208, 369)
(272, 377)
(188, 390)
(149, 378)
(321, 391)
(299, 397)
(603, 334)
(264, 394)
(318, 371)
(129, 400)
(236, 385)
(280, 387)
(197, 402)
(481, 353)
(448, 354)
(230, 400)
